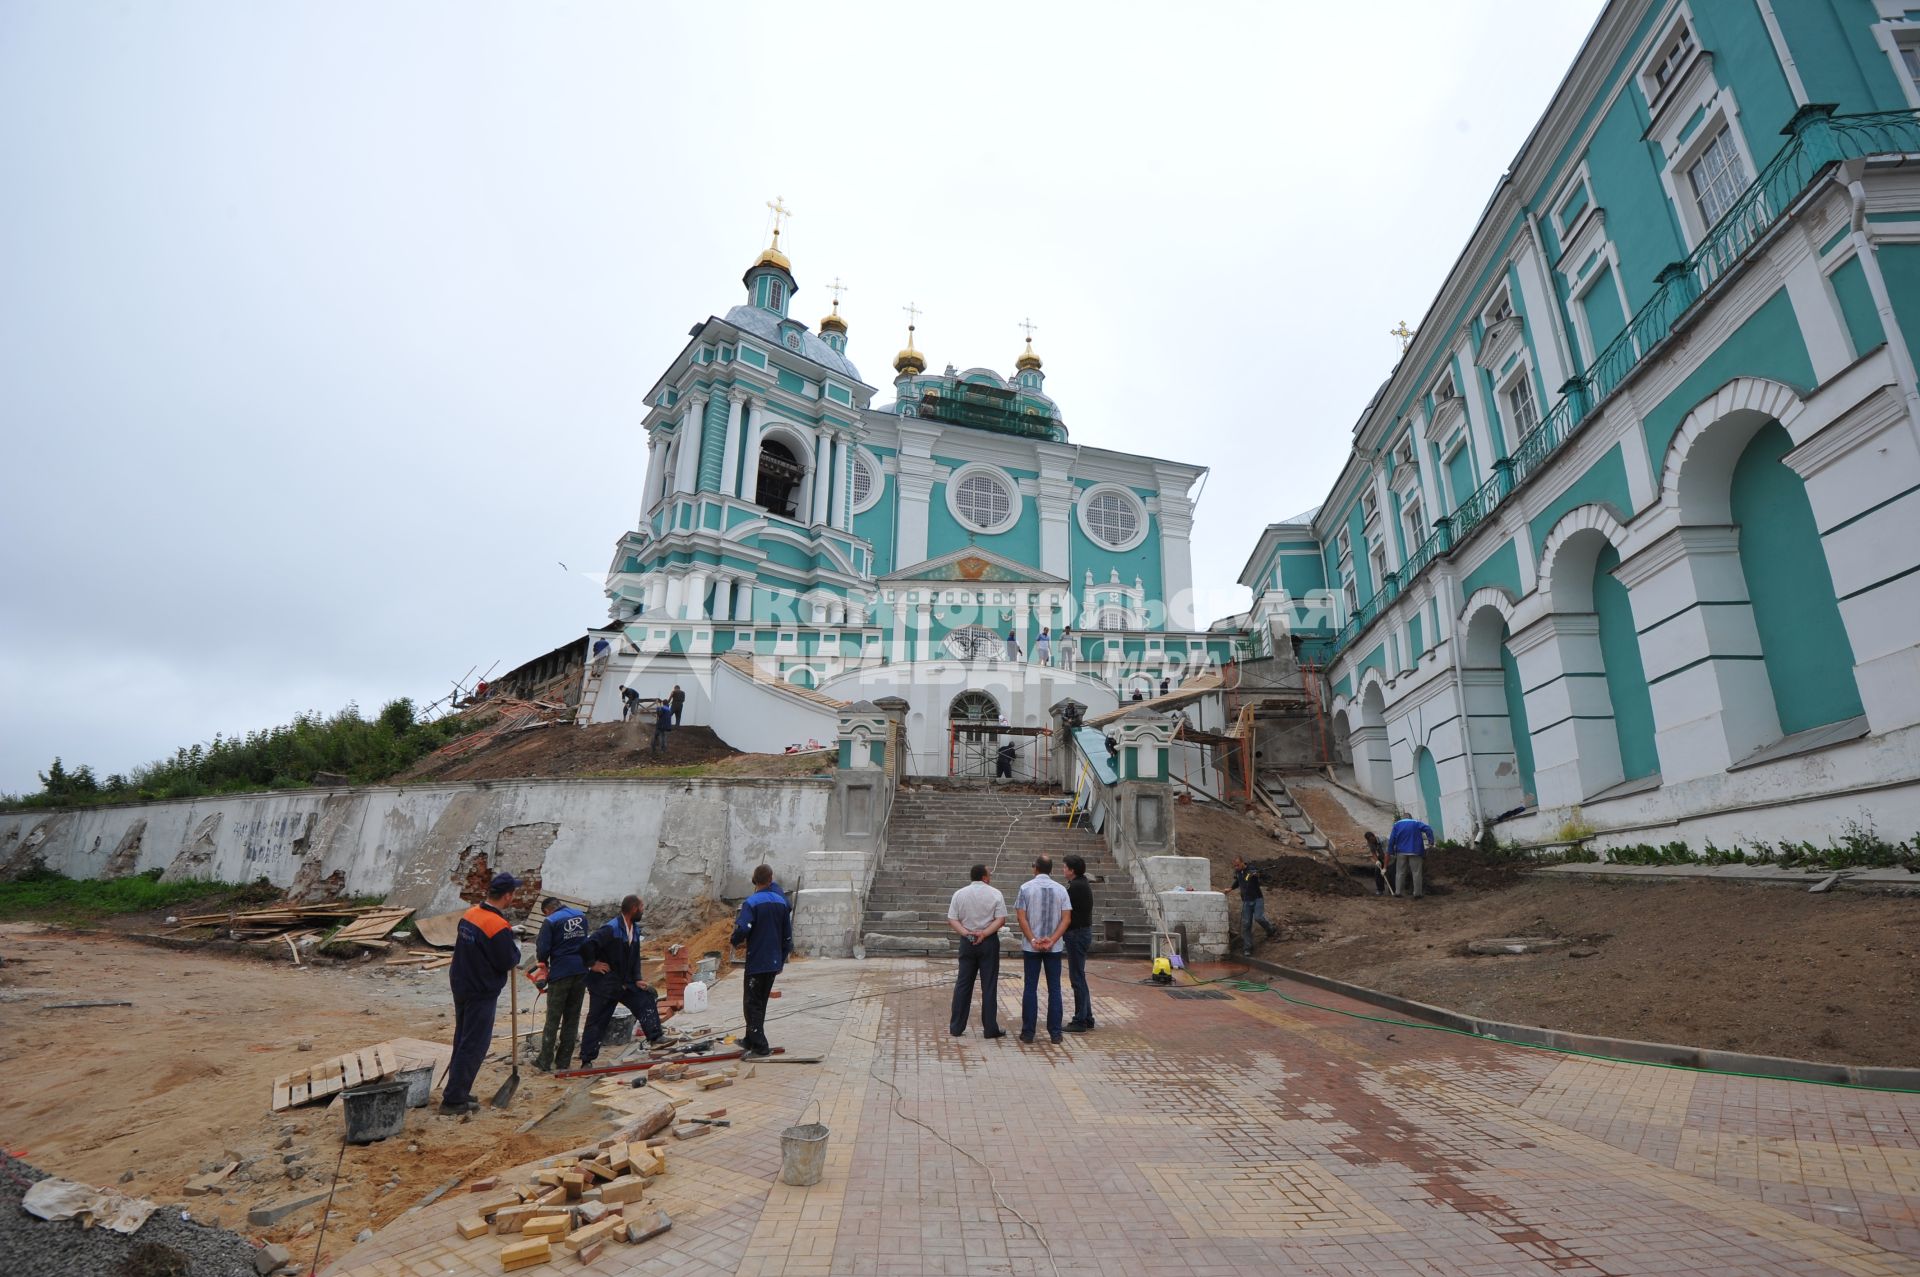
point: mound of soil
(566, 750)
(1304, 874)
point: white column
(915, 486)
(697, 596)
(687, 473)
(838, 501)
(723, 599)
(822, 479)
(676, 595)
(1543, 320)
(730, 459)
(656, 475)
(899, 609)
(923, 630)
(743, 602)
(750, 459)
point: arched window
(1112, 618)
(781, 479)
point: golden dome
(833, 323)
(1028, 361)
(772, 256)
(909, 360)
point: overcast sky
(324, 328)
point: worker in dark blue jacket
(562, 936)
(612, 955)
(484, 958)
(765, 926)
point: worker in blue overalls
(564, 974)
(484, 957)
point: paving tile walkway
(1243, 1134)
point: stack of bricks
(575, 1205)
(678, 969)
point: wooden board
(439, 930)
(356, 1068)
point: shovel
(504, 1096)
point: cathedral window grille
(862, 480)
(1112, 519)
(1718, 177)
(1112, 618)
(983, 502)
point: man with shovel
(484, 958)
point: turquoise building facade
(800, 544)
(1630, 537)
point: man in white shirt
(1044, 912)
(977, 913)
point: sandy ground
(1734, 966)
(185, 1077)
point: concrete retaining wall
(595, 840)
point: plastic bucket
(803, 1153)
(619, 1029)
(375, 1112)
(419, 1080)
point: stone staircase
(936, 835)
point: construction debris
(57, 1199)
(368, 1064)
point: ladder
(596, 675)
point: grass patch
(45, 896)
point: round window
(1113, 517)
(982, 502)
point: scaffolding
(973, 751)
(990, 408)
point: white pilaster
(1176, 551)
(697, 596)
(676, 595)
(1576, 752)
(656, 476)
(1054, 504)
(730, 459)
(1712, 703)
(743, 602)
(915, 486)
(723, 598)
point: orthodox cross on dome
(1029, 328)
(913, 315)
(1404, 333)
(777, 206)
(836, 288)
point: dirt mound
(565, 750)
(1453, 865)
(1305, 874)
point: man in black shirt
(1253, 904)
(1079, 940)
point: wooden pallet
(368, 1064)
(372, 926)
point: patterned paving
(1203, 1138)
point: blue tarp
(1094, 746)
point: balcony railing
(1817, 140)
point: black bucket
(375, 1112)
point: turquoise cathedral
(1630, 537)
(800, 545)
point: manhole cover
(1199, 993)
